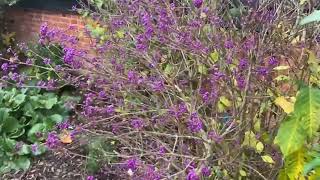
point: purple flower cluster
(132, 164)
(195, 123)
(137, 123)
(52, 140)
(178, 110)
(198, 3)
(192, 175)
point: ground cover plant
(189, 89)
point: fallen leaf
(65, 137)
(284, 104)
(267, 159)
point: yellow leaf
(223, 103)
(257, 124)
(284, 104)
(65, 137)
(120, 34)
(295, 40)
(242, 173)
(259, 147)
(303, 1)
(202, 69)
(203, 15)
(294, 164)
(249, 139)
(214, 56)
(267, 159)
(279, 68)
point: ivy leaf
(284, 104)
(291, 135)
(307, 106)
(313, 17)
(267, 159)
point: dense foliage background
(180, 89)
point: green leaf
(267, 159)
(24, 150)
(57, 118)
(168, 70)
(223, 103)
(283, 175)
(120, 34)
(291, 135)
(10, 124)
(313, 17)
(315, 163)
(214, 56)
(202, 69)
(98, 3)
(18, 133)
(4, 114)
(49, 103)
(19, 99)
(226, 102)
(307, 106)
(40, 150)
(22, 163)
(40, 127)
(7, 144)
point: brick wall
(26, 23)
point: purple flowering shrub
(180, 89)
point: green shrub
(26, 117)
